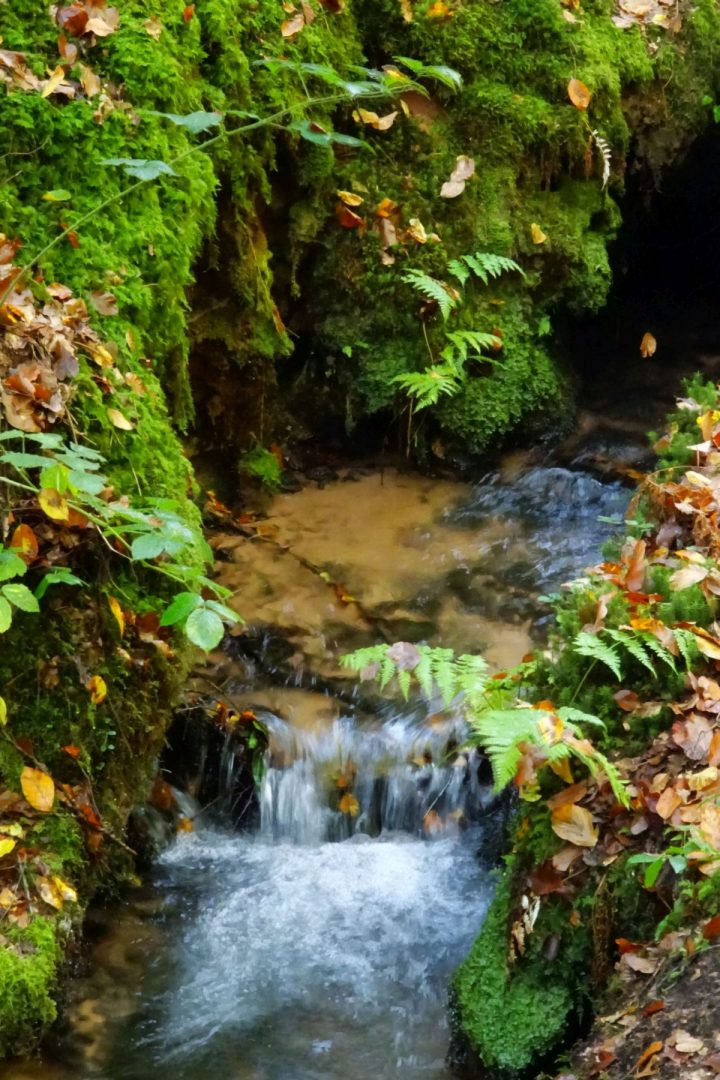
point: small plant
(446, 372)
(264, 466)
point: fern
(688, 647)
(482, 264)
(634, 645)
(464, 343)
(590, 645)
(433, 289)
(652, 643)
(605, 153)
(426, 387)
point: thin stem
(274, 118)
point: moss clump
(513, 1015)
(28, 971)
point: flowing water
(321, 944)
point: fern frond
(590, 645)
(433, 289)
(500, 734)
(652, 643)
(568, 713)
(634, 645)
(688, 647)
(486, 265)
(459, 270)
(605, 153)
(444, 673)
(427, 386)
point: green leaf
(5, 615)
(21, 597)
(140, 168)
(20, 460)
(315, 133)
(86, 482)
(586, 644)
(226, 614)
(59, 576)
(182, 605)
(204, 628)
(57, 195)
(3, 712)
(652, 873)
(147, 546)
(11, 565)
(194, 122)
(56, 477)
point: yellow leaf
(439, 10)
(53, 504)
(102, 357)
(65, 890)
(562, 769)
(8, 898)
(3, 712)
(538, 236)
(97, 688)
(118, 613)
(350, 198)
(46, 887)
(648, 346)
(184, 825)
(53, 82)
(38, 788)
(153, 27)
(6, 845)
(574, 824)
(578, 94)
(349, 805)
(117, 419)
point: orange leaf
(347, 217)
(24, 543)
(653, 1007)
(349, 805)
(711, 929)
(648, 346)
(668, 803)
(649, 1052)
(578, 94)
(73, 751)
(38, 788)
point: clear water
(322, 945)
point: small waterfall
(352, 780)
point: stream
(321, 944)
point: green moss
(28, 970)
(511, 1015)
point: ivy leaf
(140, 168)
(194, 122)
(20, 596)
(204, 628)
(182, 606)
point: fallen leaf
(648, 346)
(668, 803)
(439, 10)
(118, 420)
(349, 805)
(350, 198)
(578, 93)
(574, 824)
(118, 613)
(53, 504)
(38, 788)
(653, 1007)
(154, 27)
(649, 1052)
(97, 688)
(452, 188)
(538, 236)
(711, 929)
(6, 845)
(24, 543)
(293, 26)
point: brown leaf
(653, 1007)
(293, 26)
(24, 543)
(711, 929)
(104, 303)
(574, 824)
(347, 218)
(578, 93)
(38, 788)
(668, 803)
